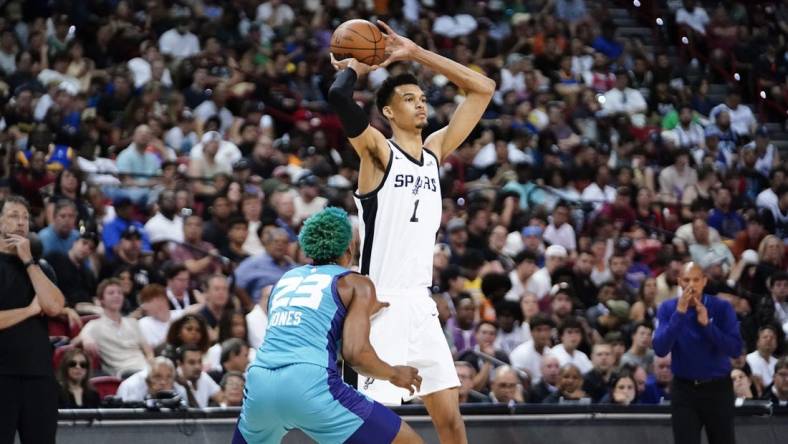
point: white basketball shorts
(408, 332)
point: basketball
(360, 40)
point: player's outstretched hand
(406, 377)
(397, 47)
(360, 68)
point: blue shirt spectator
(114, 229)
(257, 272)
(54, 243)
(61, 234)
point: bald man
(702, 333)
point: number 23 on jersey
(300, 291)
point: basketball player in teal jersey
(399, 201)
(293, 382)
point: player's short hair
(326, 235)
(386, 90)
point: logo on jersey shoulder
(417, 182)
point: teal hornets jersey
(305, 319)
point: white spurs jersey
(399, 221)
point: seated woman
(191, 329)
(743, 387)
(73, 375)
(622, 390)
(570, 386)
(232, 385)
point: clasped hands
(692, 298)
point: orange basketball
(359, 39)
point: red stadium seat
(58, 327)
(105, 385)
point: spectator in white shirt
(560, 231)
(778, 284)
(524, 269)
(623, 99)
(142, 67)
(227, 152)
(742, 119)
(528, 355)
(182, 137)
(308, 201)
(554, 258)
(166, 225)
(275, 13)
(200, 387)
(178, 42)
(158, 377)
(689, 134)
(571, 333)
(762, 360)
(215, 106)
(693, 16)
(158, 316)
(599, 191)
(674, 179)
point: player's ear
(387, 112)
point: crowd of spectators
(171, 149)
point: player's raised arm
(478, 88)
(368, 142)
(356, 348)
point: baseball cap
(619, 309)
(710, 259)
(555, 251)
(241, 164)
(89, 236)
(211, 136)
(121, 201)
(131, 231)
(623, 244)
(455, 225)
(532, 230)
(308, 179)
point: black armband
(340, 96)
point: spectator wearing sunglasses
(73, 375)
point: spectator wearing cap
(767, 156)
(114, 229)
(75, 278)
(555, 258)
(166, 224)
(528, 239)
(560, 231)
(308, 201)
(61, 234)
(129, 258)
(457, 238)
(714, 155)
(742, 119)
(570, 332)
(225, 152)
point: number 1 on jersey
(415, 208)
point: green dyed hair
(326, 235)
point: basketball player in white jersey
(399, 200)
